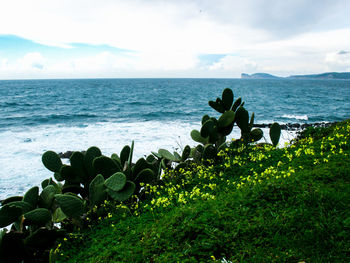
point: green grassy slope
(260, 205)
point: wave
(27, 145)
(296, 117)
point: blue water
(60, 115)
(78, 102)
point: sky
(172, 39)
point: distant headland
(327, 75)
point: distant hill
(258, 76)
(327, 75)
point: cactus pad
(236, 104)
(166, 154)
(256, 135)
(123, 194)
(145, 176)
(71, 205)
(124, 154)
(226, 119)
(196, 136)
(52, 161)
(227, 98)
(105, 166)
(205, 118)
(242, 119)
(77, 163)
(186, 153)
(11, 199)
(116, 182)
(209, 152)
(39, 216)
(9, 214)
(97, 192)
(32, 196)
(90, 155)
(207, 128)
(46, 197)
(275, 133)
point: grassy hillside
(260, 205)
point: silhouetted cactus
(275, 133)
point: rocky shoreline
(297, 126)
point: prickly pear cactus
(9, 214)
(52, 161)
(123, 194)
(275, 133)
(71, 205)
(32, 196)
(39, 217)
(227, 98)
(97, 190)
(116, 182)
(196, 136)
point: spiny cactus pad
(39, 216)
(236, 104)
(145, 176)
(242, 119)
(116, 182)
(11, 199)
(275, 133)
(77, 162)
(209, 152)
(207, 128)
(52, 161)
(124, 154)
(256, 135)
(32, 196)
(227, 98)
(71, 205)
(124, 194)
(90, 155)
(196, 136)
(9, 214)
(166, 154)
(26, 207)
(205, 118)
(226, 119)
(186, 153)
(69, 174)
(105, 166)
(46, 197)
(216, 105)
(97, 192)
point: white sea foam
(20, 162)
(296, 117)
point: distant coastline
(327, 75)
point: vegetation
(238, 201)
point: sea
(74, 114)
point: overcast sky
(174, 38)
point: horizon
(172, 39)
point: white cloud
(32, 61)
(338, 61)
(235, 64)
(284, 37)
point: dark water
(79, 102)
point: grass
(259, 205)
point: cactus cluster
(213, 132)
(32, 219)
